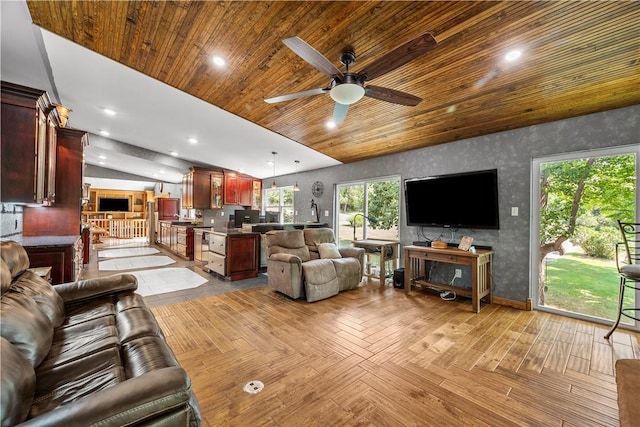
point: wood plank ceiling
(578, 58)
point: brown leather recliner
(306, 263)
(84, 353)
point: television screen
(112, 204)
(246, 216)
(464, 200)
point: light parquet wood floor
(374, 356)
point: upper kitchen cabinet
(238, 189)
(63, 218)
(196, 188)
(28, 153)
(217, 185)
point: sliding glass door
(578, 199)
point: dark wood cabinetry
(234, 255)
(64, 217)
(168, 208)
(238, 189)
(62, 253)
(196, 189)
(28, 153)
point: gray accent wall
(511, 152)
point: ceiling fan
(347, 88)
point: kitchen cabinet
(196, 188)
(238, 189)
(168, 208)
(184, 241)
(217, 185)
(164, 233)
(233, 255)
(62, 253)
(256, 200)
(64, 217)
(28, 151)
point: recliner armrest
(93, 288)
(351, 252)
(283, 257)
(126, 403)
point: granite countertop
(33, 241)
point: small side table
(385, 249)
(44, 272)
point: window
(278, 203)
(378, 200)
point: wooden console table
(385, 249)
(415, 270)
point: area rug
(126, 252)
(135, 262)
(163, 280)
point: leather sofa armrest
(288, 258)
(129, 402)
(351, 252)
(93, 288)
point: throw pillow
(329, 251)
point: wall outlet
(222, 213)
(458, 274)
(211, 221)
(326, 213)
(514, 211)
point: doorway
(576, 200)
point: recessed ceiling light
(161, 171)
(219, 61)
(104, 133)
(174, 153)
(155, 175)
(512, 55)
(101, 163)
(193, 140)
(102, 156)
(331, 124)
(270, 162)
(108, 112)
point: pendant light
(273, 185)
(296, 187)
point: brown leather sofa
(307, 263)
(84, 353)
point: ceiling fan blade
(297, 95)
(340, 112)
(312, 56)
(400, 56)
(391, 95)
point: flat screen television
(462, 200)
(112, 204)
(246, 216)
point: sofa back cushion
(316, 236)
(41, 291)
(25, 326)
(18, 385)
(5, 277)
(15, 256)
(288, 242)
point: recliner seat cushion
(320, 279)
(77, 379)
(348, 272)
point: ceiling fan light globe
(347, 93)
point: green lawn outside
(583, 284)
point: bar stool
(629, 270)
